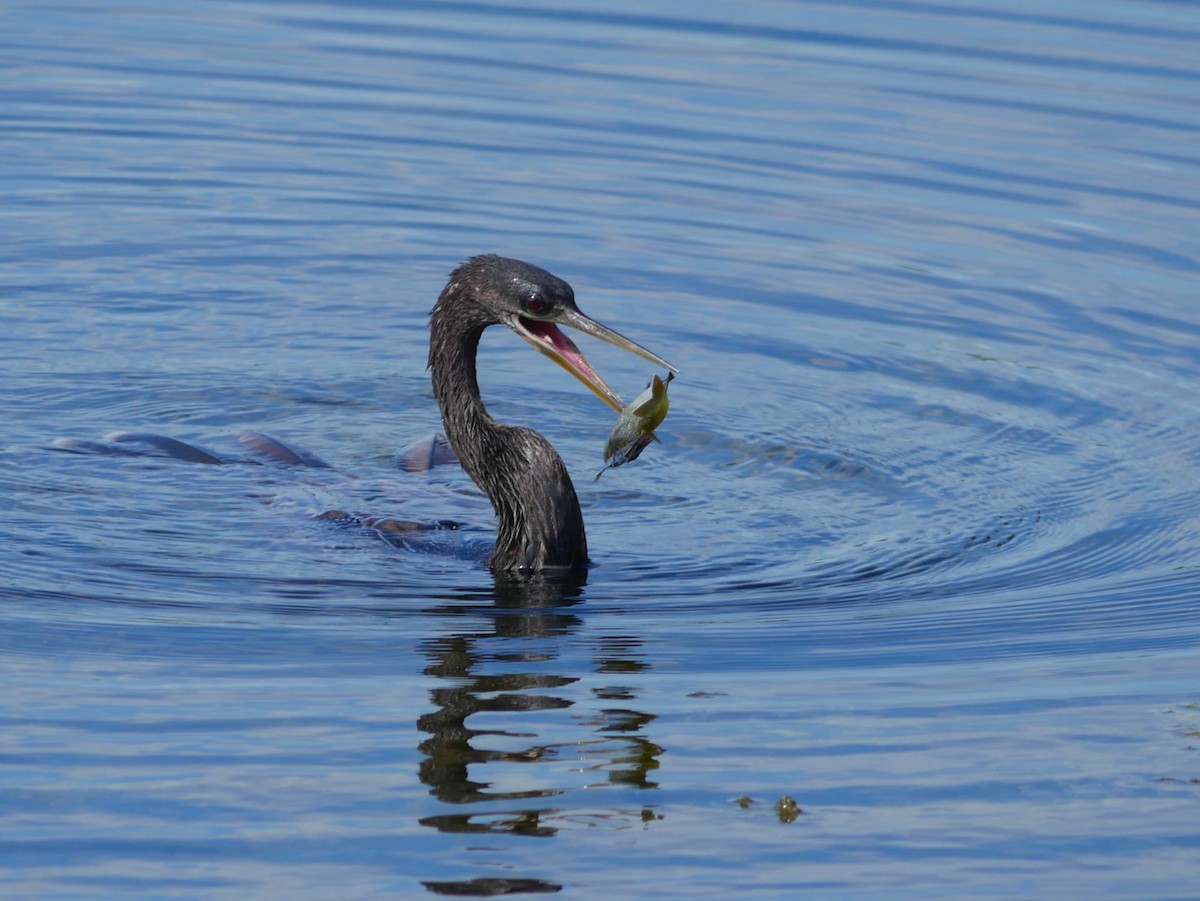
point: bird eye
(535, 304)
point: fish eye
(535, 304)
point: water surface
(919, 549)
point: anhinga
(540, 523)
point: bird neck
(540, 522)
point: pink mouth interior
(550, 335)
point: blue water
(919, 549)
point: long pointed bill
(549, 340)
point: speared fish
(635, 427)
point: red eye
(535, 304)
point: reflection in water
(633, 756)
(525, 612)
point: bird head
(534, 304)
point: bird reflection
(459, 766)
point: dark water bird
(540, 523)
(540, 526)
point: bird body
(540, 523)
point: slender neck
(540, 522)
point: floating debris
(787, 809)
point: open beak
(549, 340)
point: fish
(635, 427)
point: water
(918, 550)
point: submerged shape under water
(919, 554)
